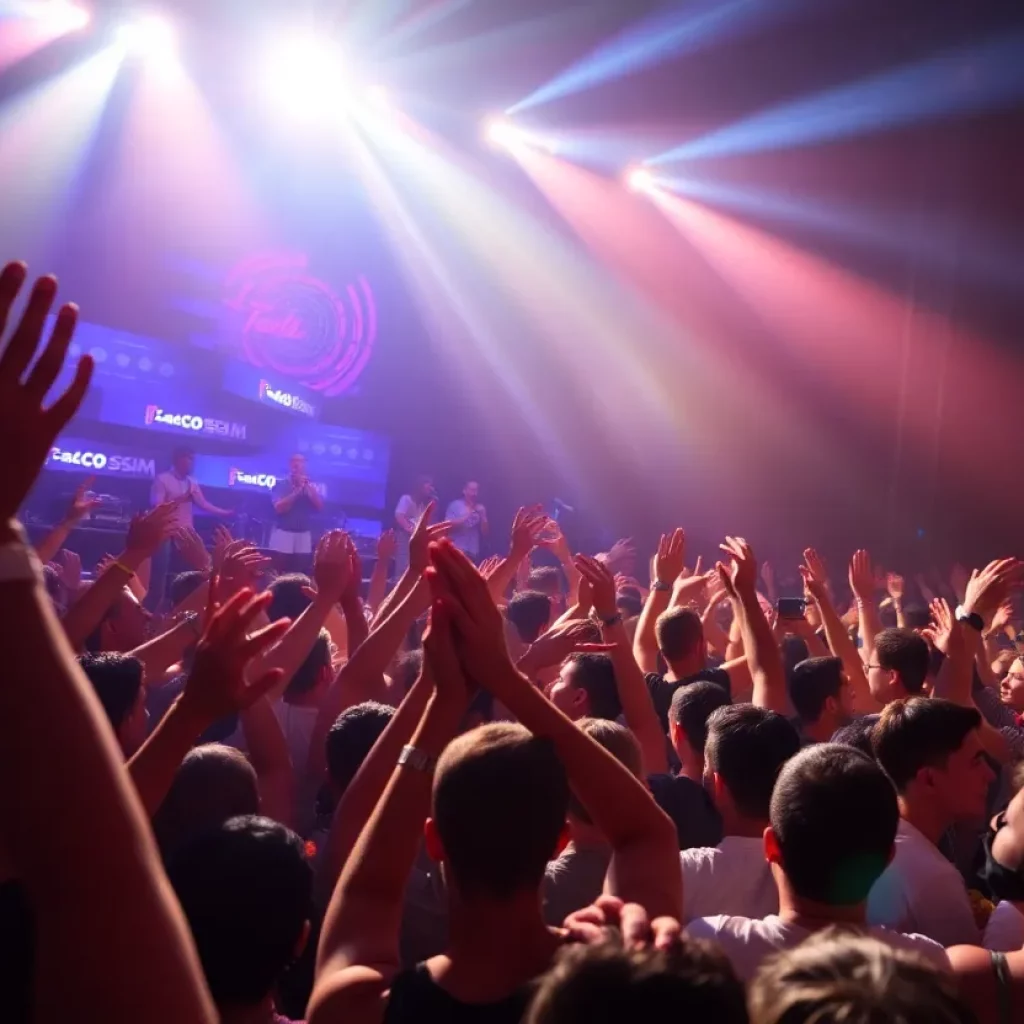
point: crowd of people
(493, 793)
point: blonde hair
(841, 977)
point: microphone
(562, 506)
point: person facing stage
(295, 500)
(470, 521)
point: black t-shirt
(696, 819)
(662, 692)
(415, 997)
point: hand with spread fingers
(422, 536)
(575, 637)
(332, 567)
(602, 585)
(241, 566)
(81, 504)
(528, 529)
(739, 578)
(592, 925)
(217, 685)
(669, 561)
(192, 549)
(148, 530)
(23, 386)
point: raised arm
(862, 583)
(378, 587)
(634, 697)
(527, 528)
(79, 508)
(667, 565)
(763, 658)
(129, 958)
(645, 863)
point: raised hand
(895, 585)
(490, 565)
(441, 658)
(987, 588)
(862, 576)
(240, 567)
(602, 584)
(422, 535)
(943, 632)
(387, 544)
(813, 585)
(740, 578)
(192, 548)
(22, 415)
(768, 578)
(332, 566)
(81, 504)
(148, 530)
(222, 540)
(217, 686)
(621, 554)
(669, 561)
(527, 531)
(69, 567)
(552, 538)
(1000, 618)
(575, 637)
(592, 925)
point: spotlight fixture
(149, 36)
(304, 75)
(640, 179)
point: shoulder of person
(697, 858)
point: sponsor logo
(102, 463)
(285, 399)
(187, 421)
(239, 476)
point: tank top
(415, 997)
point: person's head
(351, 739)
(680, 635)
(183, 461)
(547, 579)
(118, 682)
(821, 693)
(471, 492)
(246, 890)
(498, 814)
(423, 488)
(833, 825)
(900, 667)
(1011, 688)
(931, 750)
(692, 706)
(213, 784)
(629, 602)
(621, 744)
(185, 584)
(297, 466)
(55, 589)
(288, 600)
(856, 734)
(917, 617)
(406, 668)
(530, 613)
(123, 626)
(746, 749)
(585, 688)
(607, 984)
(314, 675)
(836, 975)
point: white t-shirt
(748, 943)
(732, 878)
(169, 487)
(297, 724)
(921, 891)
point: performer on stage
(470, 519)
(178, 485)
(407, 513)
(295, 500)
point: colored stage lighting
(503, 134)
(64, 15)
(639, 179)
(305, 75)
(147, 36)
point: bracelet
(658, 585)
(615, 620)
(419, 760)
(124, 568)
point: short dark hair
(836, 975)
(834, 814)
(857, 734)
(620, 743)
(605, 983)
(117, 680)
(811, 683)
(213, 784)
(184, 585)
(287, 599)
(529, 611)
(629, 601)
(547, 579)
(351, 739)
(679, 632)
(246, 889)
(920, 732)
(692, 705)
(408, 666)
(903, 651)
(305, 678)
(499, 803)
(748, 746)
(595, 673)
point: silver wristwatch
(410, 757)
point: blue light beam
(985, 75)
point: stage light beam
(503, 134)
(147, 36)
(640, 179)
(64, 15)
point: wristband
(615, 620)
(659, 586)
(418, 760)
